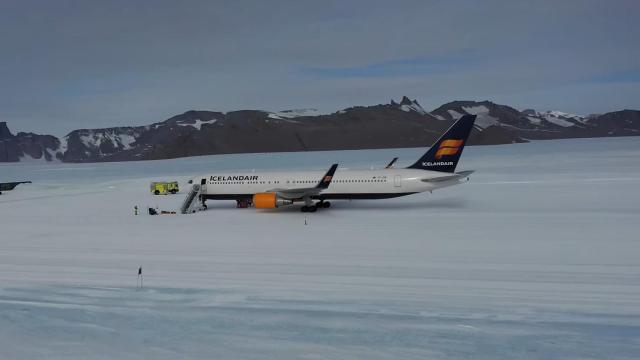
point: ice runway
(536, 257)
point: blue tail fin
(445, 153)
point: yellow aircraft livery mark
(448, 147)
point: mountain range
(393, 125)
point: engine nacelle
(269, 201)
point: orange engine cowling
(265, 200)
(269, 201)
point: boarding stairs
(190, 202)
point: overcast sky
(85, 64)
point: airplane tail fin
(445, 153)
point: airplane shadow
(392, 205)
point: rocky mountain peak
(408, 105)
(199, 132)
(5, 133)
(406, 101)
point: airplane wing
(456, 176)
(298, 193)
(11, 185)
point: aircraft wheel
(326, 204)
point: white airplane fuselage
(346, 184)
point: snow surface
(537, 257)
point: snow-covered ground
(537, 257)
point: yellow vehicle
(164, 187)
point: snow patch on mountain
(558, 121)
(476, 110)
(94, 139)
(31, 159)
(126, 140)
(64, 145)
(534, 120)
(454, 114)
(53, 154)
(560, 114)
(198, 123)
(290, 114)
(558, 118)
(414, 106)
(483, 119)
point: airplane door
(397, 181)
(203, 185)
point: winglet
(326, 179)
(391, 163)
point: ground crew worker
(140, 277)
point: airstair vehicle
(190, 203)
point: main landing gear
(314, 207)
(311, 208)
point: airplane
(270, 190)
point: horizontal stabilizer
(456, 176)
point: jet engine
(269, 201)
